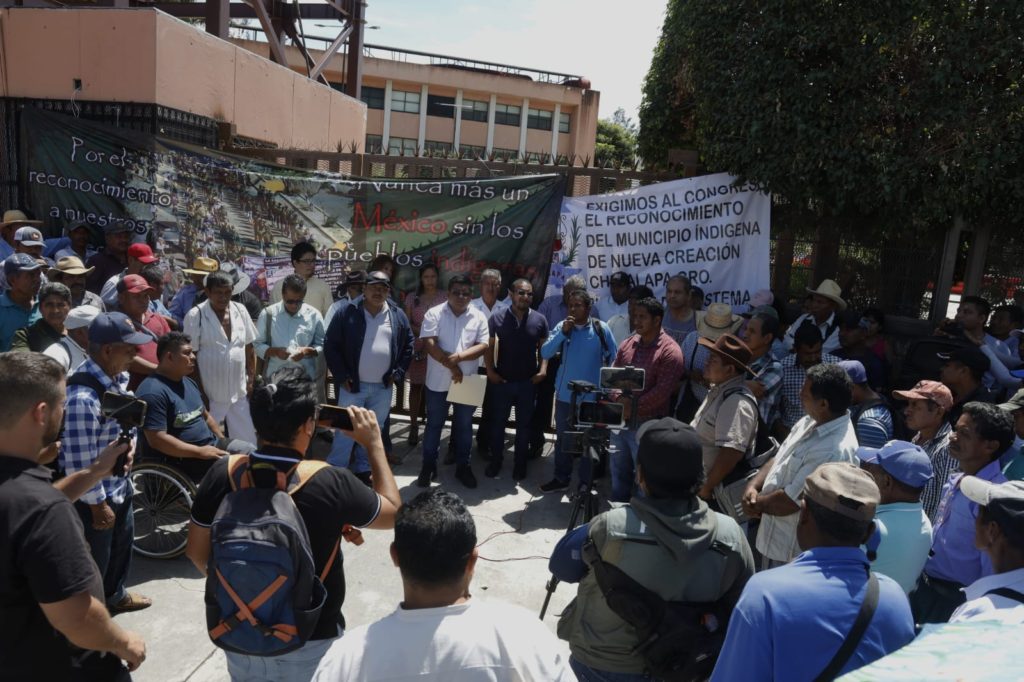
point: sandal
(131, 602)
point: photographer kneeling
(177, 424)
(670, 543)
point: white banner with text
(709, 228)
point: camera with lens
(129, 412)
(592, 421)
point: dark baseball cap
(116, 328)
(904, 461)
(970, 357)
(1004, 503)
(355, 277)
(669, 452)
(20, 262)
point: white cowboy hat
(830, 290)
(718, 319)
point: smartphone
(604, 412)
(335, 417)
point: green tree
(666, 109)
(616, 140)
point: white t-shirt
(454, 335)
(472, 642)
(606, 308)
(983, 606)
(499, 305)
(68, 353)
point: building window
(563, 123)
(372, 97)
(409, 102)
(506, 154)
(373, 144)
(406, 146)
(539, 119)
(471, 151)
(440, 106)
(533, 157)
(474, 110)
(507, 114)
(436, 147)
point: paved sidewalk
(175, 626)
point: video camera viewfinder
(129, 412)
(609, 414)
(622, 379)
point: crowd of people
(793, 495)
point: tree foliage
(908, 109)
(616, 140)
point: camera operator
(50, 590)
(585, 344)
(177, 425)
(106, 508)
(668, 541)
(649, 348)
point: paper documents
(470, 391)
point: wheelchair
(161, 505)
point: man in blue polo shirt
(982, 433)
(791, 622)
(18, 303)
(903, 533)
(514, 368)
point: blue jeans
(623, 464)
(375, 397)
(503, 397)
(585, 673)
(563, 460)
(295, 666)
(462, 427)
(112, 548)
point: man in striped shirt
(106, 508)
(928, 403)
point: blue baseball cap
(116, 328)
(904, 461)
(20, 262)
(855, 370)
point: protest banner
(709, 228)
(189, 201)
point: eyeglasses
(462, 294)
(306, 261)
(293, 301)
(524, 292)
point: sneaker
(493, 468)
(554, 486)
(428, 473)
(519, 471)
(465, 476)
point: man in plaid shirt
(807, 352)
(765, 382)
(106, 508)
(651, 349)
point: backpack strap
(853, 638)
(300, 476)
(1007, 593)
(596, 325)
(240, 476)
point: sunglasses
(293, 301)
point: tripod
(584, 507)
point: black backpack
(763, 441)
(679, 641)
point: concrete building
(435, 103)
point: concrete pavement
(516, 525)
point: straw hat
(830, 290)
(202, 266)
(69, 265)
(16, 217)
(732, 349)
(718, 319)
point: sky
(608, 42)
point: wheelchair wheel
(162, 507)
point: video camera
(129, 412)
(592, 421)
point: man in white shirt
(902, 537)
(825, 434)
(455, 337)
(222, 337)
(489, 304)
(443, 633)
(826, 301)
(999, 532)
(617, 301)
